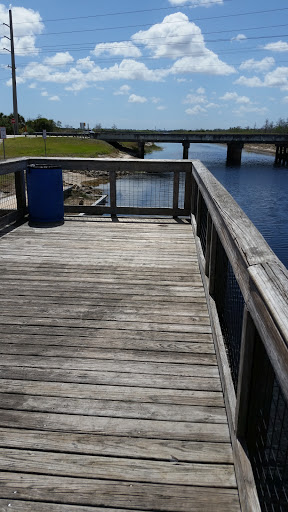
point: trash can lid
(43, 166)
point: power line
(87, 46)
(118, 13)
(149, 24)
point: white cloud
(277, 78)
(137, 99)
(200, 90)
(249, 82)
(86, 64)
(124, 89)
(233, 96)
(125, 49)
(161, 107)
(195, 110)
(195, 99)
(244, 109)
(279, 46)
(44, 93)
(239, 37)
(260, 65)
(285, 99)
(26, 26)
(59, 59)
(155, 100)
(181, 80)
(178, 38)
(196, 3)
(54, 98)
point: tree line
(42, 123)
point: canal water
(260, 188)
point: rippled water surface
(258, 187)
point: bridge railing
(247, 291)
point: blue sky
(162, 64)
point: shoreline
(263, 149)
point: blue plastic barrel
(45, 194)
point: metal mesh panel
(267, 434)
(136, 189)
(143, 189)
(7, 193)
(203, 225)
(83, 187)
(230, 305)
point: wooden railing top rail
(262, 278)
(106, 164)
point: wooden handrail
(263, 281)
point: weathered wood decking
(110, 391)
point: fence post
(208, 244)
(20, 190)
(245, 372)
(112, 177)
(188, 195)
(212, 259)
(175, 192)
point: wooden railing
(245, 281)
(247, 294)
(115, 169)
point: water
(258, 187)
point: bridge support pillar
(186, 146)
(141, 149)
(234, 153)
(281, 155)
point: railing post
(208, 244)
(245, 372)
(198, 212)
(212, 259)
(175, 192)
(20, 190)
(188, 195)
(112, 177)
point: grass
(84, 148)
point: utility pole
(15, 107)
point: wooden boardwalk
(110, 391)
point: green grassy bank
(86, 148)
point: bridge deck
(110, 392)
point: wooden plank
(127, 427)
(178, 347)
(117, 393)
(82, 491)
(132, 470)
(33, 506)
(151, 368)
(113, 408)
(92, 353)
(136, 448)
(110, 378)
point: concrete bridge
(235, 141)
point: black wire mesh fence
(267, 434)
(133, 189)
(8, 200)
(230, 307)
(84, 187)
(147, 189)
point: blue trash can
(45, 194)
